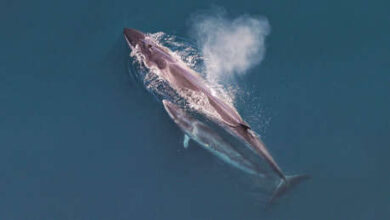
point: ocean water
(79, 139)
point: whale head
(179, 116)
(133, 37)
(154, 54)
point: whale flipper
(186, 141)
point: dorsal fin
(242, 125)
(246, 126)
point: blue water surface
(80, 140)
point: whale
(209, 139)
(185, 80)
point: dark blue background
(78, 140)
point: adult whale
(182, 78)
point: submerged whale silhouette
(181, 78)
(209, 139)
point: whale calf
(186, 81)
(209, 139)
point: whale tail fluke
(286, 185)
